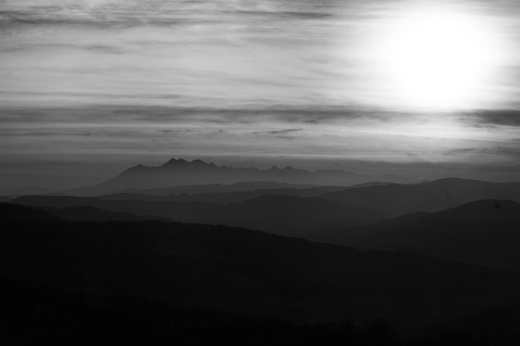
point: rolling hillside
(397, 199)
(239, 270)
(285, 215)
(485, 232)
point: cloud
(303, 15)
(92, 20)
(503, 117)
(501, 151)
(276, 132)
(103, 114)
(283, 133)
(108, 13)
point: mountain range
(416, 254)
(177, 172)
(293, 210)
(10, 192)
(456, 219)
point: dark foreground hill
(484, 232)
(285, 215)
(43, 315)
(239, 270)
(398, 199)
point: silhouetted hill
(290, 215)
(347, 235)
(181, 172)
(484, 232)
(21, 214)
(4, 198)
(223, 197)
(219, 188)
(90, 214)
(247, 271)
(24, 190)
(286, 215)
(397, 199)
(224, 194)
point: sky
(425, 89)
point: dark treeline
(38, 314)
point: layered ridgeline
(287, 210)
(432, 196)
(484, 232)
(181, 172)
(240, 270)
(280, 214)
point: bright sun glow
(437, 60)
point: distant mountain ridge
(11, 192)
(279, 214)
(178, 172)
(432, 196)
(218, 188)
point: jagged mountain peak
(178, 171)
(196, 163)
(174, 162)
(199, 162)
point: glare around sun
(437, 60)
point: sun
(434, 59)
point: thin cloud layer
(505, 117)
